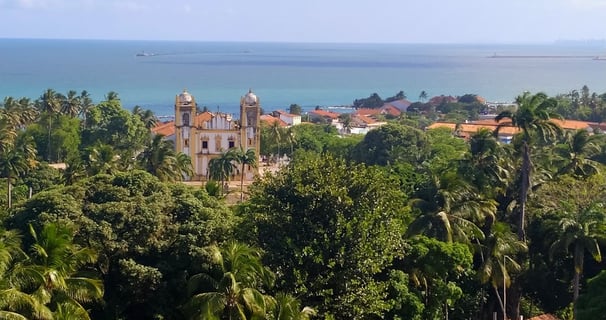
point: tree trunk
(50, 126)
(496, 291)
(9, 187)
(242, 183)
(526, 168)
(578, 269)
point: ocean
(308, 74)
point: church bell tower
(185, 113)
(250, 114)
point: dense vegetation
(398, 224)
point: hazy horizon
(313, 21)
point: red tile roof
(166, 129)
(271, 120)
(327, 114)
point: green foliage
(108, 123)
(391, 144)
(435, 268)
(144, 231)
(328, 228)
(591, 303)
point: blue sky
(400, 21)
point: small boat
(145, 54)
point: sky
(351, 21)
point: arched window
(186, 119)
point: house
(328, 116)
(290, 119)
(438, 100)
(401, 104)
(506, 131)
(270, 120)
(385, 110)
(361, 124)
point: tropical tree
(423, 96)
(71, 104)
(287, 307)
(533, 117)
(582, 231)
(450, 209)
(576, 152)
(487, 165)
(49, 104)
(147, 116)
(244, 158)
(57, 265)
(101, 158)
(276, 133)
(16, 161)
(14, 303)
(86, 104)
(222, 167)
(498, 252)
(232, 289)
(159, 158)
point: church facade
(204, 136)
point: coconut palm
(49, 104)
(14, 303)
(533, 118)
(582, 232)
(17, 161)
(112, 96)
(287, 307)
(423, 96)
(488, 164)
(222, 167)
(497, 253)
(57, 262)
(450, 209)
(276, 133)
(147, 116)
(244, 158)
(72, 104)
(576, 152)
(86, 104)
(231, 290)
(101, 158)
(159, 159)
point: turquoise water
(284, 73)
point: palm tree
(112, 96)
(275, 132)
(423, 96)
(16, 161)
(72, 104)
(497, 263)
(14, 303)
(532, 116)
(49, 104)
(222, 167)
(101, 158)
(147, 116)
(231, 289)
(159, 159)
(86, 104)
(287, 307)
(244, 158)
(58, 263)
(487, 165)
(582, 231)
(450, 209)
(576, 152)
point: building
(204, 136)
(290, 119)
